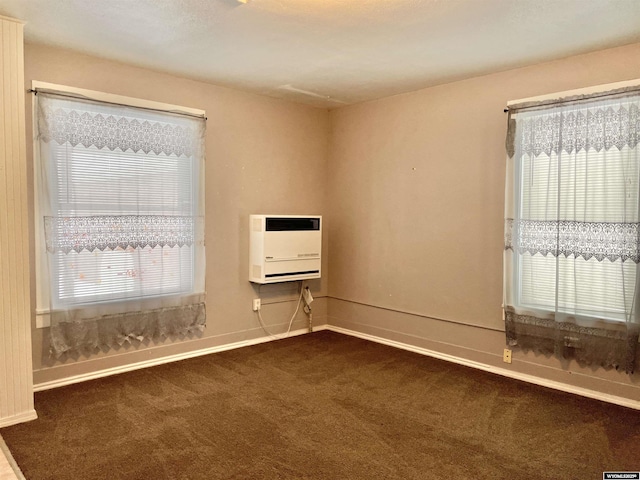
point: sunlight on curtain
(572, 229)
(122, 210)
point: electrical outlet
(506, 356)
(256, 304)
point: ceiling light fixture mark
(291, 88)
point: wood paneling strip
(16, 383)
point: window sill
(43, 315)
(43, 319)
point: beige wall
(411, 188)
(263, 156)
(416, 201)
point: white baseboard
(4, 450)
(21, 417)
(159, 361)
(625, 402)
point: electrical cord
(297, 308)
(264, 327)
(307, 310)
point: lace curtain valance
(600, 128)
(89, 125)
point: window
(577, 209)
(573, 197)
(120, 201)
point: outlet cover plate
(506, 356)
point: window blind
(577, 208)
(123, 200)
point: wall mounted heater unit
(284, 248)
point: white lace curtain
(121, 204)
(572, 229)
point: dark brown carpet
(320, 406)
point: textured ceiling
(329, 52)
